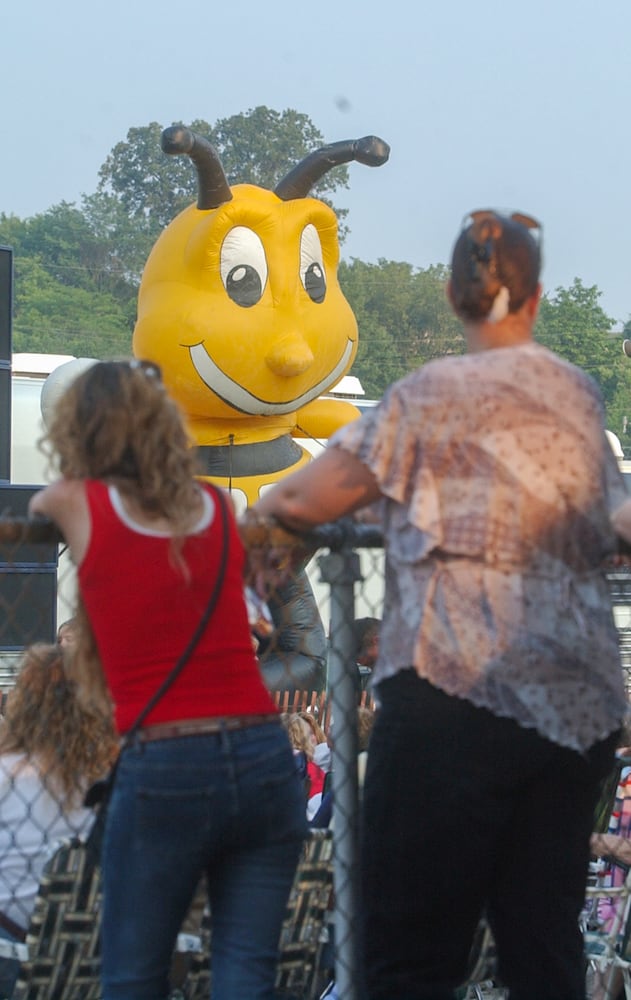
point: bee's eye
(312, 272)
(243, 266)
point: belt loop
(226, 743)
(133, 744)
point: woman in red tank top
(208, 785)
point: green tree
(150, 187)
(574, 325)
(67, 246)
(403, 317)
(53, 318)
(377, 362)
(262, 145)
(130, 241)
(69, 285)
(12, 232)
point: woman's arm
(64, 502)
(332, 485)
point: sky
(485, 105)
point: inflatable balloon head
(58, 381)
(240, 306)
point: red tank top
(144, 609)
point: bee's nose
(291, 355)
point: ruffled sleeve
(388, 439)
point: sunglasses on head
(148, 368)
(527, 221)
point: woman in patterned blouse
(498, 673)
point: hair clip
(499, 309)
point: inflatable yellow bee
(240, 306)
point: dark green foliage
(573, 324)
(403, 317)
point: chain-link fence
(309, 651)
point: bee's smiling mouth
(245, 402)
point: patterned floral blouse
(498, 481)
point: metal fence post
(340, 570)
(6, 313)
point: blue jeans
(9, 968)
(228, 804)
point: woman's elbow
(37, 504)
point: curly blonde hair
(299, 733)
(71, 744)
(116, 422)
(314, 726)
(84, 665)
(365, 723)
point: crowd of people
(495, 666)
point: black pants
(464, 811)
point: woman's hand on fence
(274, 554)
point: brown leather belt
(196, 727)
